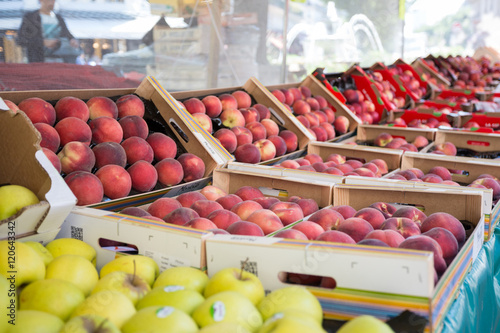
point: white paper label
(164, 312)
(218, 311)
(478, 240)
(166, 261)
(170, 289)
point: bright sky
(437, 9)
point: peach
(307, 168)
(305, 91)
(266, 202)
(279, 144)
(188, 198)
(296, 93)
(266, 219)
(397, 176)
(248, 192)
(364, 172)
(205, 207)
(381, 164)
(73, 129)
(50, 137)
(410, 212)
(431, 178)
(250, 115)
(373, 167)
(351, 96)
(354, 163)
(193, 166)
(228, 101)
(372, 242)
(308, 206)
(271, 127)
(71, 107)
(448, 148)
(417, 172)
(291, 234)
(106, 129)
(301, 107)
(319, 166)
(341, 124)
(219, 231)
(403, 225)
(144, 176)
(115, 180)
(447, 221)
(313, 158)
(408, 147)
(181, 216)
(426, 243)
(169, 171)
(194, 105)
(489, 183)
(382, 139)
(163, 146)
(100, 106)
(322, 102)
(204, 121)
(76, 156)
(320, 132)
(86, 187)
(11, 105)
(288, 212)
(450, 182)
(257, 129)
(372, 215)
(345, 211)
(446, 240)
(213, 105)
(212, 192)
(53, 158)
(266, 148)
(441, 172)
(289, 98)
(232, 117)
(313, 103)
(330, 116)
(263, 111)
(386, 208)
(395, 143)
(280, 96)
(304, 121)
(336, 158)
(327, 218)
(355, 227)
(109, 153)
(130, 105)
(38, 110)
(335, 236)
(302, 161)
(313, 119)
(229, 200)
(243, 135)
(390, 237)
(137, 149)
(289, 164)
(247, 153)
(243, 99)
(135, 211)
(310, 229)
(333, 171)
(330, 130)
(223, 218)
(245, 208)
(291, 140)
(407, 174)
(200, 223)
(134, 126)
(245, 228)
(420, 141)
(163, 206)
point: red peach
(106, 129)
(364, 172)
(290, 164)
(228, 101)
(229, 200)
(219, 231)
(258, 130)
(163, 146)
(204, 121)
(327, 218)
(266, 148)
(372, 242)
(489, 183)
(250, 115)
(109, 153)
(330, 130)
(335, 236)
(417, 172)
(242, 98)
(305, 91)
(73, 129)
(420, 141)
(341, 124)
(396, 143)
(410, 212)
(425, 243)
(181, 216)
(213, 106)
(100, 106)
(355, 227)
(263, 111)
(212, 192)
(11, 105)
(50, 137)
(382, 139)
(372, 215)
(301, 107)
(447, 221)
(200, 223)
(320, 132)
(280, 96)
(381, 164)
(291, 234)
(53, 158)
(247, 153)
(322, 101)
(134, 126)
(188, 198)
(245, 208)
(407, 174)
(386, 208)
(144, 176)
(193, 166)
(307, 168)
(169, 171)
(271, 127)
(76, 156)
(86, 187)
(249, 192)
(243, 135)
(313, 103)
(245, 228)
(403, 225)
(319, 166)
(408, 147)
(373, 167)
(163, 206)
(223, 218)
(115, 180)
(313, 119)
(130, 105)
(448, 148)
(137, 149)
(302, 161)
(441, 172)
(38, 110)
(279, 144)
(194, 105)
(330, 116)
(289, 98)
(266, 202)
(432, 178)
(232, 117)
(354, 163)
(291, 140)
(295, 93)
(205, 207)
(310, 229)
(304, 121)
(333, 171)
(313, 158)
(266, 219)
(337, 158)
(135, 211)
(71, 107)
(446, 240)
(288, 212)
(345, 210)
(390, 237)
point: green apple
(236, 279)
(7, 307)
(13, 198)
(224, 328)
(109, 304)
(292, 297)
(177, 296)
(144, 266)
(89, 324)
(294, 321)
(75, 269)
(20, 259)
(365, 323)
(159, 319)
(228, 306)
(34, 321)
(57, 297)
(74, 246)
(189, 277)
(132, 286)
(41, 250)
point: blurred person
(44, 34)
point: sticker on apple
(164, 312)
(218, 311)
(170, 289)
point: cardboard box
(24, 163)
(259, 94)
(468, 143)
(421, 67)
(178, 125)
(370, 280)
(168, 244)
(396, 83)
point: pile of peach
(386, 140)
(424, 123)
(245, 212)
(383, 224)
(105, 148)
(313, 112)
(336, 164)
(386, 88)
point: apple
(13, 198)
(145, 267)
(160, 319)
(236, 279)
(224, 327)
(29, 266)
(291, 321)
(46, 256)
(61, 246)
(54, 296)
(131, 285)
(82, 323)
(365, 323)
(35, 321)
(189, 277)
(178, 297)
(74, 269)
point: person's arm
(66, 33)
(28, 31)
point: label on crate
(166, 261)
(478, 240)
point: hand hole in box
(117, 246)
(307, 280)
(179, 131)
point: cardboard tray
(370, 280)
(24, 163)
(177, 125)
(468, 143)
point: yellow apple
(365, 323)
(25, 263)
(236, 279)
(189, 277)
(74, 246)
(132, 286)
(57, 297)
(224, 328)
(292, 297)
(13, 198)
(291, 322)
(89, 324)
(228, 306)
(75, 269)
(143, 266)
(177, 296)
(41, 250)
(159, 319)
(109, 304)
(34, 321)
